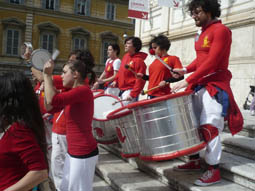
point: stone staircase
(237, 167)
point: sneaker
(252, 112)
(189, 166)
(211, 176)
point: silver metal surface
(127, 134)
(167, 126)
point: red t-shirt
(78, 104)
(158, 72)
(126, 79)
(19, 154)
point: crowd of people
(47, 130)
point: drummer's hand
(162, 84)
(95, 86)
(139, 75)
(129, 98)
(48, 67)
(113, 84)
(100, 81)
(181, 72)
(179, 85)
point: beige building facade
(238, 15)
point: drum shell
(127, 133)
(104, 131)
(168, 129)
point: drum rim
(100, 95)
(175, 154)
(158, 99)
(114, 114)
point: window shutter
(88, 8)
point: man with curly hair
(210, 80)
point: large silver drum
(167, 127)
(103, 130)
(126, 129)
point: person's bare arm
(49, 89)
(30, 180)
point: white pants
(78, 174)
(208, 111)
(59, 150)
(124, 96)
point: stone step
(238, 145)
(100, 185)
(163, 171)
(125, 177)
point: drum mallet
(152, 52)
(144, 77)
(119, 101)
(149, 90)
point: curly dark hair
(162, 41)
(208, 6)
(83, 64)
(19, 103)
(137, 43)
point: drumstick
(119, 101)
(144, 77)
(152, 52)
(130, 69)
(55, 54)
(149, 90)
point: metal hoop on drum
(103, 130)
(167, 127)
(126, 128)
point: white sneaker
(252, 112)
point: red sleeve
(140, 67)
(28, 149)
(192, 66)
(58, 82)
(75, 95)
(222, 37)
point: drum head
(104, 104)
(39, 57)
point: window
(110, 11)
(50, 4)
(82, 7)
(48, 41)
(15, 1)
(79, 43)
(12, 43)
(48, 36)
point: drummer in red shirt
(160, 75)
(132, 63)
(210, 80)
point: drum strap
(209, 132)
